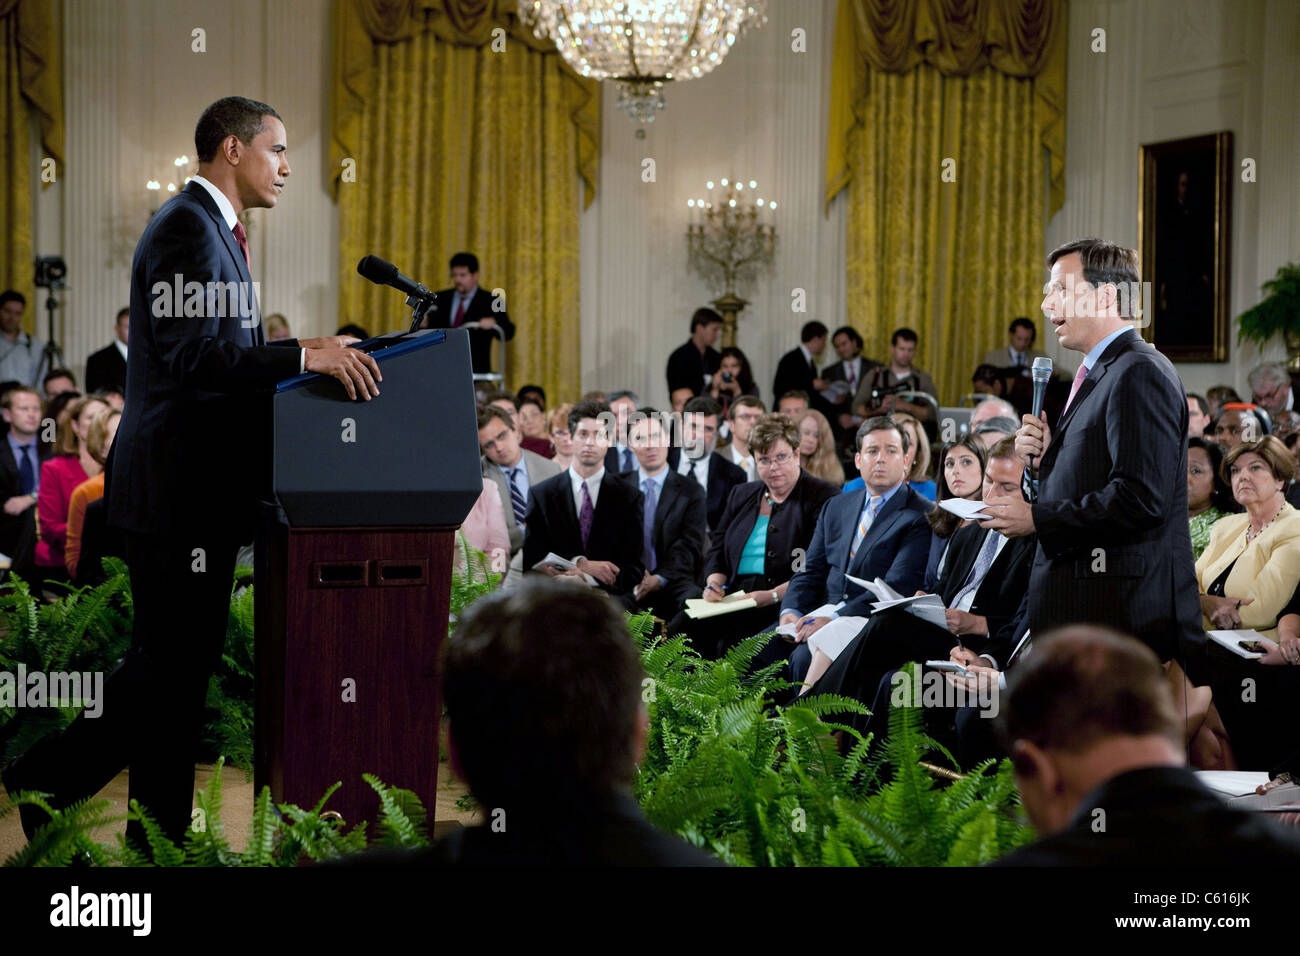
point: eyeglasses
(780, 459)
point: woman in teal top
(1208, 496)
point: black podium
(353, 574)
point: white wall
(1177, 68)
(761, 115)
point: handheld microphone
(1042, 374)
(382, 272)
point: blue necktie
(649, 489)
(26, 471)
(517, 501)
(627, 460)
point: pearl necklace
(1251, 537)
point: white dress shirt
(121, 348)
(593, 487)
(697, 468)
(746, 463)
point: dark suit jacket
(687, 367)
(1111, 517)
(552, 525)
(793, 372)
(614, 465)
(790, 527)
(192, 448)
(1162, 815)
(105, 369)
(723, 476)
(480, 307)
(10, 482)
(1003, 587)
(609, 832)
(678, 530)
(18, 532)
(895, 548)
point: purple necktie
(586, 515)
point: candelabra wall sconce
(730, 238)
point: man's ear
(1031, 762)
(232, 149)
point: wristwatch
(775, 598)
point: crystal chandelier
(643, 44)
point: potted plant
(1278, 312)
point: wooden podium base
(350, 624)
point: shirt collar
(1094, 355)
(17, 445)
(807, 356)
(224, 205)
(576, 479)
(659, 479)
(121, 346)
(883, 498)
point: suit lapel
(1118, 347)
(856, 500)
(236, 255)
(885, 519)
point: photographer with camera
(878, 394)
(733, 380)
(21, 353)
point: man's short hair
(1005, 450)
(542, 686)
(353, 329)
(796, 393)
(1200, 401)
(769, 430)
(499, 395)
(851, 332)
(879, 423)
(1274, 373)
(588, 408)
(7, 400)
(1003, 426)
(466, 259)
(523, 394)
(988, 374)
(906, 334)
(125, 310)
(811, 330)
(1083, 683)
(488, 413)
(54, 373)
(704, 317)
(648, 414)
(703, 405)
(1020, 322)
(1105, 262)
(745, 401)
(12, 295)
(236, 116)
(623, 393)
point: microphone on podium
(1042, 374)
(418, 297)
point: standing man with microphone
(1111, 513)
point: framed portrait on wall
(1183, 245)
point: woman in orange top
(99, 439)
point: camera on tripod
(878, 393)
(51, 272)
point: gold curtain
(464, 139)
(974, 90)
(32, 82)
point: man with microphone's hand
(1013, 515)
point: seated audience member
(696, 458)
(983, 582)
(557, 429)
(734, 380)
(1216, 396)
(961, 475)
(673, 521)
(919, 448)
(1090, 724)
(988, 380)
(57, 381)
(70, 466)
(484, 529)
(850, 369)
(692, 366)
(510, 405)
(21, 456)
(1237, 423)
(679, 397)
(766, 525)
(532, 393)
(276, 327)
(354, 330)
(1208, 496)
(107, 367)
(992, 430)
(817, 448)
(878, 393)
(1270, 388)
(1198, 416)
(588, 515)
(544, 714)
(797, 369)
(993, 408)
(113, 397)
(792, 405)
(532, 424)
(742, 415)
(513, 469)
(878, 531)
(1019, 352)
(99, 438)
(619, 459)
(58, 408)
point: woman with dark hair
(1208, 496)
(71, 464)
(961, 475)
(733, 379)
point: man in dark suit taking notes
(465, 303)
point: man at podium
(186, 468)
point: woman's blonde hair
(66, 440)
(97, 435)
(823, 463)
(921, 463)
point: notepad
(1232, 641)
(928, 607)
(964, 508)
(878, 587)
(698, 608)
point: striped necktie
(517, 501)
(868, 518)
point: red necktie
(460, 314)
(241, 237)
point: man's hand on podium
(328, 342)
(356, 370)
